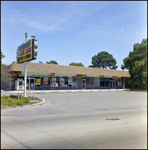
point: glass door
(84, 83)
(27, 84)
(110, 84)
(30, 84)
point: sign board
(53, 80)
(27, 51)
(79, 76)
(37, 81)
(70, 81)
(45, 81)
(62, 81)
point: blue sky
(73, 31)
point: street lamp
(26, 37)
(33, 36)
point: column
(10, 81)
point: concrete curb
(36, 103)
(62, 91)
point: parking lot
(73, 119)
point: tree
(103, 60)
(136, 63)
(76, 64)
(5, 74)
(2, 56)
(40, 61)
(51, 62)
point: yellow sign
(27, 51)
(24, 52)
(37, 81)
(80, 76)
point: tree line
(135, 63)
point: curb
(62, 91)
(36, 103)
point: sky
(73, 31)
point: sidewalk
(51, 91)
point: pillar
(10, 81)
(79, 81)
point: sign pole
(25, 70)
(25, 76)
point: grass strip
(16, 100)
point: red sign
(45, 81)
(53, 80)
(70, 81)
(61, 80)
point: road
(78, 120)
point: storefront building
(41, 76)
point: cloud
(65, 18)
(86, 7)
(35, 22)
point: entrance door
(84, 83)
(30, 84)
(110, 84)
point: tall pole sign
(27, 52)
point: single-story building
(41, 76)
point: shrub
(14, 96)
(5, 97)
(20, 96)
(26, 101)
(19, 103)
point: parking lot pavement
(78, 120)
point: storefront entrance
(84, 83)
(110, 84)
(30, 85)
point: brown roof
(46, 69)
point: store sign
(27, 51)
(37, 81)
(62, 81)
(15, 74)
(53, 80)
(45, 81)
(70, 81)
(79, 76)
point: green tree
(136, 63)
(103, 60)
(76, 64)
(51, 62)
(5, 74)
(2, 56)
(40, 61)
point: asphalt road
(78, 120)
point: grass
(16, 100)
